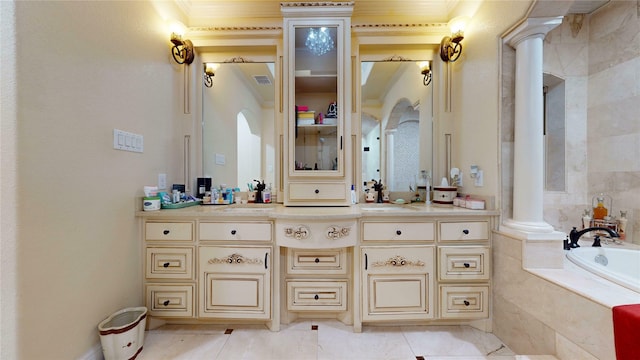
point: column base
(529, 226)
(541, 249)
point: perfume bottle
(622, 225)
(600, 211)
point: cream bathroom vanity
(411, 264)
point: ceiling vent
(262, 79)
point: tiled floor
(332, 340)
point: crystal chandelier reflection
(319, 41)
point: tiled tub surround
(564, 311)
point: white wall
(82, 69)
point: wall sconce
(182, 50)
(425, 70)
(450, 47)
(209, 73)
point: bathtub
(622, 266)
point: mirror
(397, 125)
(317, 119)
(238, 125)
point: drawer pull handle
(366, 261)
(465, 231)
(317, 260)
(233, 232)
(166, 303)
(316, 297)
(466, 303)
(266, 258)
(317, 191)
(398, 232)
(466, 265)
(166, 265)
(166, 232)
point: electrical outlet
(162, 181)
(479, 179)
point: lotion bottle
(354, 198)
(622, 225)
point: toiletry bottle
(622, 225)
(600, 212)
(353, 194)
(266, 195)
(586, 219)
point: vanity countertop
(278, 211)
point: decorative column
(389, 173)
(528, 170)
(541, 244)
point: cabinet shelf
(317, 129)
(317, 84)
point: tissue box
(474, 204)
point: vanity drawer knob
(466, 303)
(166, 232)
(398, 232)
(317, 191)
(466, 265)
(166, 303)
(233, 232)
(166, 265)
(465, 231)
(316, 297)
(317, 260)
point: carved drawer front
(325, 261)
(168, 300)
(464, 302)
(248, 231)
(317, 191)
(463, 263)
(398, 259)
(398, 282)
(174, 231)
(462, 231)
(317, 295)
(169, 263)
(235, 282)
(402, 231)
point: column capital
(531, 28)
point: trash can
(122, 333)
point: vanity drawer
(325, 261)
(463, 263)
(464, 302)
(317, 191)
(247, 231)
(174, 231)
(401, 231)
(317, 295)
(463, 231)
(170, 300)
(169, 263)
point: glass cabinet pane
(316, 128)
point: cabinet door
(397, 282)
(317, 113)
(235, 282)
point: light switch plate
(127, 141)
(162, 181)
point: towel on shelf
(626, 327)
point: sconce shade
(182, 50)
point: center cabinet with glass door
(317, 105)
